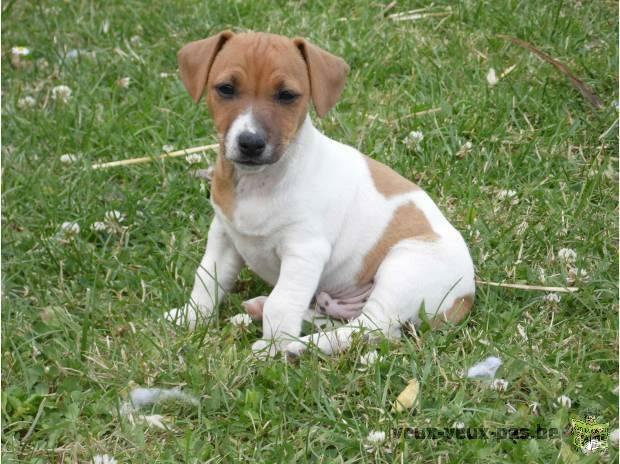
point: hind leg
(413, 276)
(339, 339)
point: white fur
(305, 224)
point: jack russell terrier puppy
(315, 218)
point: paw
(295, 349)
(186, 316)
(264, 349)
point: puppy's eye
(225, 90)
(286, 96)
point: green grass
(81, 317)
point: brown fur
(223, 186)
(454, 315)
(408, 222)
(259, 65)
(327, 73)
(387, 181)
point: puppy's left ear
(328, 75)
(195, 60)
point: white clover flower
(506, 194)
(567, 255)
(114, 216)
(167, 148)
(20, 51)
(61, 93)
(563, 402)
(552, 298)
(376, 437)
(492, 77)
(123, 82)
(70, 228)
(206, 174)
(68, 158)
(103, 459)
(413, 139)
(591, 446)
(26, 102)
(194, 158)
(98, 226)
(594, 366)
(575, 273)
(370, 358)
(374, 440)
(241, 320)
(499, 385)
(465, 148)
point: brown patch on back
(387, 181)
(454, 315)
(223, 186)
(408, 222)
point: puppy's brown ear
(195, 60)
(327, 72)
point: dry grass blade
(585, 90)
(421, 113)
(146, 159)
(416, 16)
(538, 288)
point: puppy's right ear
(196, 59)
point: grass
(81, 315)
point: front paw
(186, 316)
(264, 349)
(295, 349)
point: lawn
(526, 169)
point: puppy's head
(258, 89)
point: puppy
(313, 217)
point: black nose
(251, 144)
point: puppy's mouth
(255, 162)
